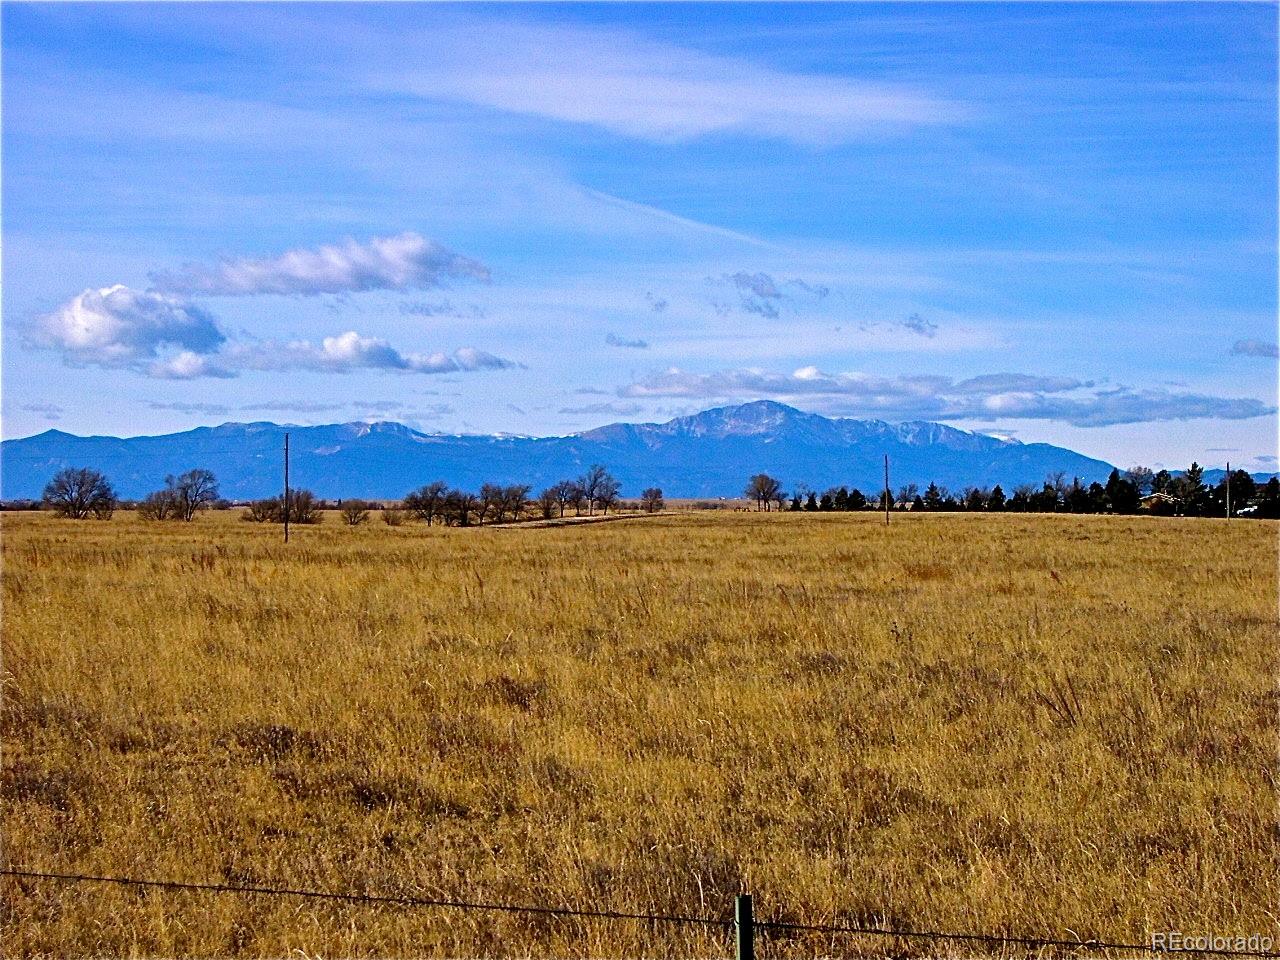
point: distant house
(1161, 504)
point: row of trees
(596, 490)
(81, 492)
(1184, 494)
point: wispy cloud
(657, 304)
(440, 308)
(50, 411)
(182, 406)
(406, 261)
(291, 406)
(656, 91)
(350, 351)
(616, 341)
(1255, 348)
(761, 294)
(989, 397)
(920, 326)
(605, 409)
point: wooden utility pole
(1228, 483)
(888, 497)
(286, 488)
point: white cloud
(406, 261)
(164, 335)
(351, 351)
(655, 91)
(187, 365)
(169, 338)
(989, 397)
(121, 327)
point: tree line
(81, 493)
(1159, 492)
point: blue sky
(1056, 222)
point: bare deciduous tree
(80, 492)
(194, 490)
(515, 500)
(263, 511)
(491, 503)
(607, 492)
(304, 507)
(764, 490)
(460, 506)
(565, 494)
(428, 502)
(589, 484)
(548, 501)
(651, 500)
(1143, 478)
(158, 505)
(598, 488)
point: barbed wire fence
(743, 925)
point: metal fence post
(745, 927)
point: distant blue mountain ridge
(709, 454)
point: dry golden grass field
(1039, 725)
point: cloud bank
(169, 338)
(990, 397)
(406, 261)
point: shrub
(355, 512)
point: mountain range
(709, 454)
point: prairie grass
(1039, 725)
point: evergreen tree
(1097, 498)
(857, 500)
(1242, 488)
(1269, 505)
(933, 498)
(1121, 494)
(997, 499)
(1077, 498)
(812, 502)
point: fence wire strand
(764, 925)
